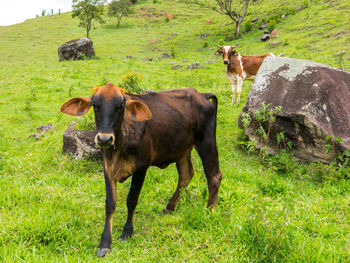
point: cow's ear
(137, 111)
(219, 51)
(76, 106)
(234, 53)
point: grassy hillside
(272, 209)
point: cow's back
(251, 64)
(179, 117)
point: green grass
(52, 206)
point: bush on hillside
(131, 81)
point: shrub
(272, 25)
(248, 27)
(221, 42)
(230, 37)
(131, 81)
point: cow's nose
(225, 61)
(104, 140)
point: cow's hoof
(167, 211)
(101, 252)
(125, 236)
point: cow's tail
(214, 100)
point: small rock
(300, 8)
(283, 16)
(129, 56)
(195, 65)
(165, 55)
(265, 37)
(266, 32)
(263, 26)
(41, 130)
(174, 34)
(204, 35)
(255, 19)
(146, 59)
(176, 67)
(44, 128)
(172, 63)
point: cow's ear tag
(137, 111)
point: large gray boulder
(315, 102)
(76, 49)
(80, 143)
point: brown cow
(151, 129)
(239, 68)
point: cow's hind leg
(133, 197)
(106, 239)
(185, 170)
(208, 153)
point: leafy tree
(119, 9)
(234, 9)
(86, 11)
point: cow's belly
(166, 152)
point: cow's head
(111, 105)
(226, 52)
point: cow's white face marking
(227, 55)
(227, 48)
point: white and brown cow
(239, 68)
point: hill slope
(272, 209)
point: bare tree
(234, 9)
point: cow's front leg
(133, 196)
(234, 87)
(106, 239)
(239, 89)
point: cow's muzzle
(225, 61)
(104, 140)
